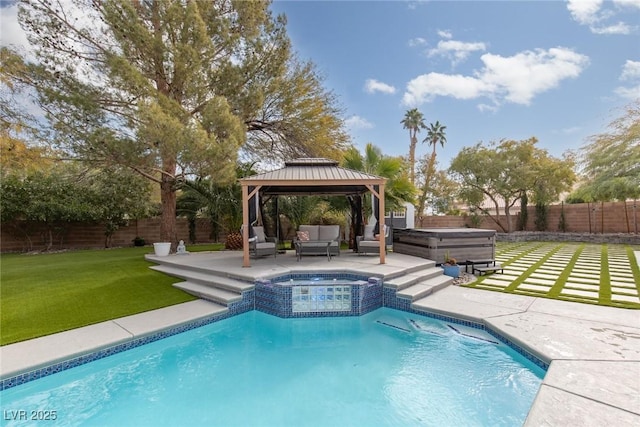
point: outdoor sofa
(318, 240)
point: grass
(52, 292)
(578, 272)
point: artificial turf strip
(556, 289)
(47, 293)
(635, 268)
(605, 281)
(555, 292)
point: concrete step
(218, 295)
(207, 279)
(407, 280)
(425, 288)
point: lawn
(46, 293)
(601, 274)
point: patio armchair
(260, 245)
(368, 244)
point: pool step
(220, 289)
(207, 279)
(218, 295)
(407, 280)
(425, 288)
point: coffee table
(313, 247)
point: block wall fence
(88, 236)
(596, 218)
(591, 218)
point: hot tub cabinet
(434, 243)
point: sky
(487, 70)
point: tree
(53, 198)
(414, 121)
(169, 89)
(611, 161)
(502, 172)
(442, 194)
(18, 158)
(398, 188)
(119, 195)
(299, 119)
(435, 134)
(220, 204)
(17, 123)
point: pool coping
(593, 351)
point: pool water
(386, 368)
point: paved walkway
(590, 273)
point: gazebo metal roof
(316, 176)
(309, 176)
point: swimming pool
(385, 368)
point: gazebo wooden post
(383, 239)
(246, 196)
(245, 226)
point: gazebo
(305, 177)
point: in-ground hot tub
(318, 295)
(434, 243)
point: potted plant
(162, 248)
(138, 241)
(450, 266)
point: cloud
(630, 73)
(585, 12)
(516, 79)
(569, 131)
(597, 17)
(12, 34)
(630, 70)
(417, 41)
(631, 93)
(628, 3)
(619, 28)
(427, 86)
(445, 34)
(456, 50)
(373, 86)
(357, 122)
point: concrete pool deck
(594, 351)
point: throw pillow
(368, 232)
(303, 236)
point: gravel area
(464, 279)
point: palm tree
(435, 134)
(414, 121)
(220, 204)
(398, 188)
